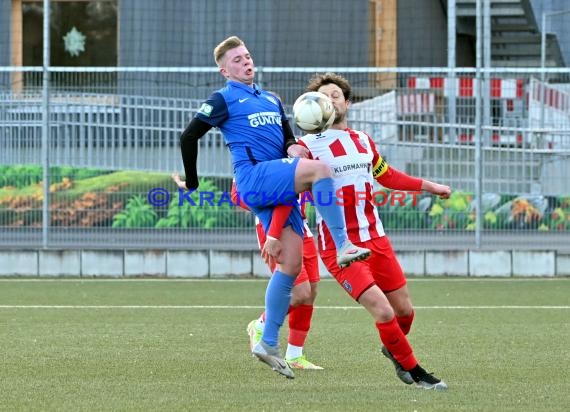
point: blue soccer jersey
(250, 120)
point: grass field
(180, 345)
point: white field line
(233, 307)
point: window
(82, 33)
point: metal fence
(79, 158)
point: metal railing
(111, 120)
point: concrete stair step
(516, 40)
(515, 27)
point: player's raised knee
(321, 170)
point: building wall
(5, 49)
(422, 33)
(5, 12)
(291, 33)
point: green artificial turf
(176, 345)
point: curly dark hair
(321, 79)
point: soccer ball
(313, 112)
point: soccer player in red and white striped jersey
(378, 283)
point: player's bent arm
(291, 145)
(299, 149)
(440, 190)
(189, 148)
(234, 196)
(393, 178)
(278, 219)
(288, 136)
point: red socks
(396, 342)
(299, 324)
(405, 322)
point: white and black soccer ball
(313, 112)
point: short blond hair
(230, 43)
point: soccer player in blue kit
(259, 137)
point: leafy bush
(137, 213)
(523, 212)
(396, 215)
(452, 213)
(198, 212)
(20, 176)
(559, 217)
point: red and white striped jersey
(351, 155)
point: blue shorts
(266, 184)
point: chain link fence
(86, 152)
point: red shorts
(381, 268)
(310, 267)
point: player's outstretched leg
(401, 373)
(399, 348)
(271, 356)
(299, 325)
(331, 211)
(349, 253)
(425, 380)
(277, 299)
(301, 362)
(255, 332)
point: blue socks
(277, 300)
(278, 292)
(326, 204)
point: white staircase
(515, 35)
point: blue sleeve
(213, 111)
